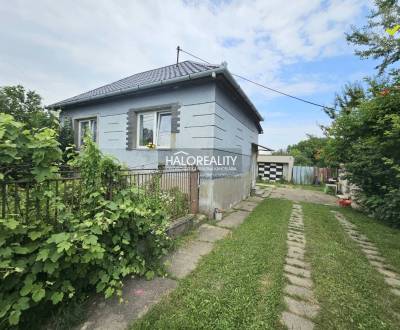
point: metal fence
(25, 199)
(312, 175)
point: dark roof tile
(140, 79)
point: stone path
(139, 295)
(392, 278)
(301, 305)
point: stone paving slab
(297, 271)
(297, 262)
(375, 257)
(185, 259)
(301, 281)
(386, 272)
(391, 277)
(301, 308)
(299, 291)
(301, 305)
(234, 219)
(296, 250)
(138, 294)
(255, 199)
(295, 322)
(245, 206)
(295, 255)
(395, 291)
(392, 281)
(208, 233)
(295, 244)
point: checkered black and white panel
(270, 171)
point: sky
(63, 48)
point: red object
(385, 92)
(344, 202)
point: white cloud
(62, 48)
(106, 40)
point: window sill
(149, 149)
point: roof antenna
(178, 49)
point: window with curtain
(154, 128)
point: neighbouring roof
(259, 146)
(187, 70)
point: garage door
(270, 171)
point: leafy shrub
(367, 139)
(174, 202)
(113, 234)
(26, 155)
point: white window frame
(90, 120)
(156, 126)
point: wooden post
(194, 191)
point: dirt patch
(265, 283)
(300, 195)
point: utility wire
(258, 84)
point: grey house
(151, 118)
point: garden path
(302, 195)
(140, 295)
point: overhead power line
(179, 49)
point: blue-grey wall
(235, 128)
(209, 119)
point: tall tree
(350, 98)
(380, 37)
(26, 107)
(367, 141)
(309, 152)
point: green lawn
(351, 293)
(387, 239)
(238, 285)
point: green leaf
(34, 235)
(13, 319)
(11, 223)
(109, 292)
(58, 238)
(149, 275)
(21, 250)
(100, 286)
(43, 255)
(112, 206)
(63, 246)
(38, 294)
(4, 307)
(26, 289)
(22, 304)
(50, 267)
(56, 297)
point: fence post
(3, 200)
(194, 191)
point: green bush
(25, 154)
(367, 139)
(111, 235)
